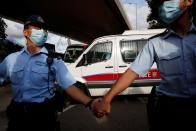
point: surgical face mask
(170, 11)
(38, 37)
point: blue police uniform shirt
(176, 60)
(29, 75)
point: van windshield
(72, 53)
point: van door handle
(109, 67)
(121, 66)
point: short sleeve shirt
(29, 75)
(176, 60)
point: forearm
(78, 95)
(124, 81)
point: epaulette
(158, 35)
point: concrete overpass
(83, 20)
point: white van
(104, 61)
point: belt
(32, 106)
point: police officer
(32, 107)
(174, 51)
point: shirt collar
(192, 28)
(42, 51)
(169, 31)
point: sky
(136, 10)
(139, 7)
(15, 34)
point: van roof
(149, 32)
(84, 46)
(142, 32)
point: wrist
(89, 103)
(107, 99)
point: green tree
(6, 47)
(3, 35)
(153, 18)
(3, 27)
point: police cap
(35, 20)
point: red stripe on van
(100, 77)
(152, 74)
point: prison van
(107, 58)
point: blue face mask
(38, 37)
(170, 11)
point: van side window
(100, 52)
(130, 49)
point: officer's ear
(185, 4)
(26, 32)
(189, 2)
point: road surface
(127, 114)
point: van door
(99, 69)
(128, 50)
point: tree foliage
(152, 18)
(7, 47)
(3, 27)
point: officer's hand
(100, 108)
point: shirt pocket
(170, 64)
(17, 75)
(39, 75)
